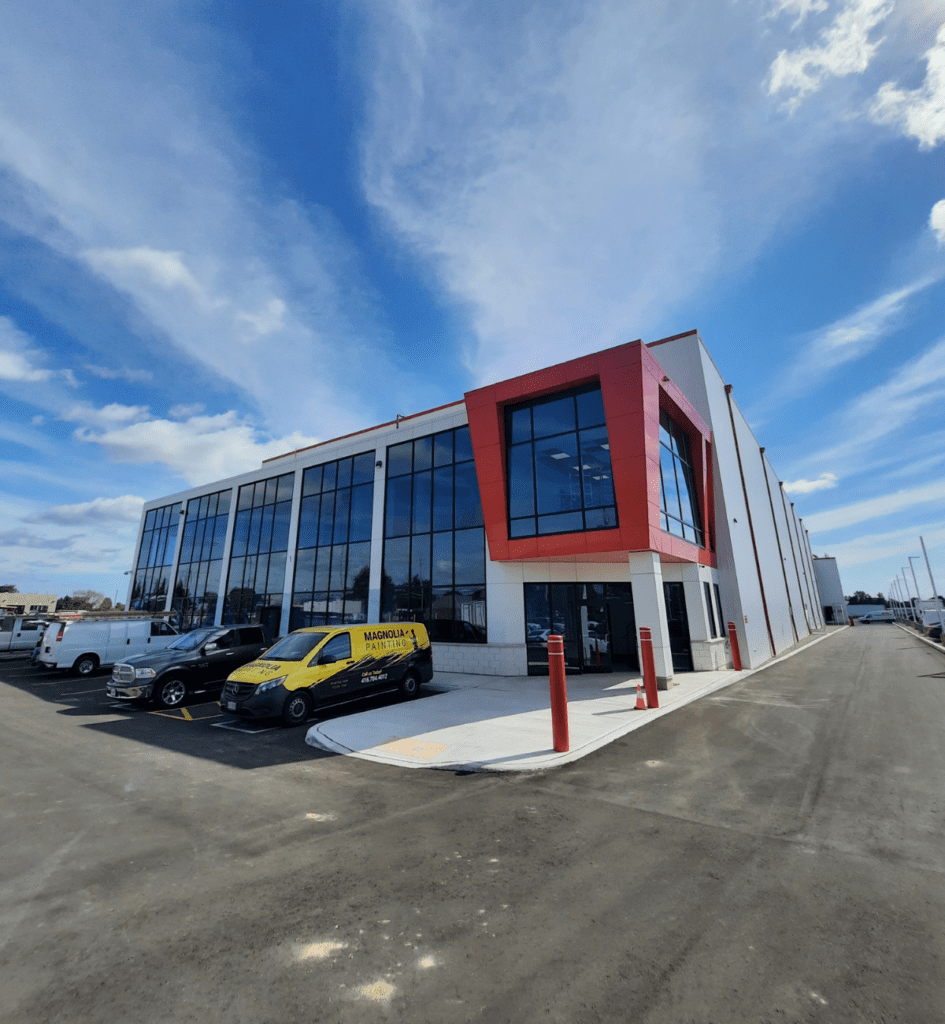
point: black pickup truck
(199, 660)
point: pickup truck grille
(123, 674)
(238, 691)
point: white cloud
(799, 7)
(99, 511)
(824, 482)
(184, 412)
(845, 49)
(919, 113)
(872, 547)
(937, 221)
(120, 373)
(18, 357)
(38, 421)
(874, 508)
(199, 449)
(256, 325)
(136, 173)
(104, 416)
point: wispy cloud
(134, 174)
(198, 449)
(825, 482)
(845, 48)
(20, 359)
(99, 511)
(120, 373)
(802, 8)
(575, 180)
(25, 539)
(874, 508)
(874, 547)
(919, 113)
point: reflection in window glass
(197, 586)
(333, 560)
(257, 559)
(434, 543)
(679, 506)
(559, 468)
(149, 591)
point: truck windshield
(191, 641)
(294, 647)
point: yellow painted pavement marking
(413, 748)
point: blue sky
(228, 230)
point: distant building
(28, 604)
(616, 490)
(831, 591)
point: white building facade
(617, 490)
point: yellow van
(327, 665)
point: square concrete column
(695, 602)
(649, 609)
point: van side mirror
(209, 647)
(327, 659)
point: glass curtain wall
(201, 560)
(678, 496)
(333, 563)
(257, 560)
(149, 592)
(559, 471)
(434, 542)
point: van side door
(116, 646)
(331, 667)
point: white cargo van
(885, 616)
(20, 633)
(88, 644)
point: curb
(556, 760)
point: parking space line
(237, 725)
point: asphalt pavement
(773, 851)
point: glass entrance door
(584, 614)
(677, 623)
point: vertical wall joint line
(751, 527)
(777, 533)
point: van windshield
(294, 647)
(191, 641)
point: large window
(201, 560)
(149, 593)
(257, 560)
(434, 542)
(333, 564)
(559, 472)
(678, 496)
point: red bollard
(559, 694)
(649, 667)
(733, 640)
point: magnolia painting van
(327, 665)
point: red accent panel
(633, 391)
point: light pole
(918, 596)
(905, 581)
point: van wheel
(297, 708)
(169, 693)
(410, 686)
(85, 665)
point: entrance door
(595, 631)
(677, 622)
(623, 628)
(565, 622)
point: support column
(649, 609)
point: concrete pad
(503, 723)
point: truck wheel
(410, 686)
(297, 708)
(85, 665)
(168, 693)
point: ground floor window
(595, 619)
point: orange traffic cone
(641, 702)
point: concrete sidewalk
(503, 723)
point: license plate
(231, 705)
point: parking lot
(772, 851)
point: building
(28, 604)
(827, 576)
(616, 490)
